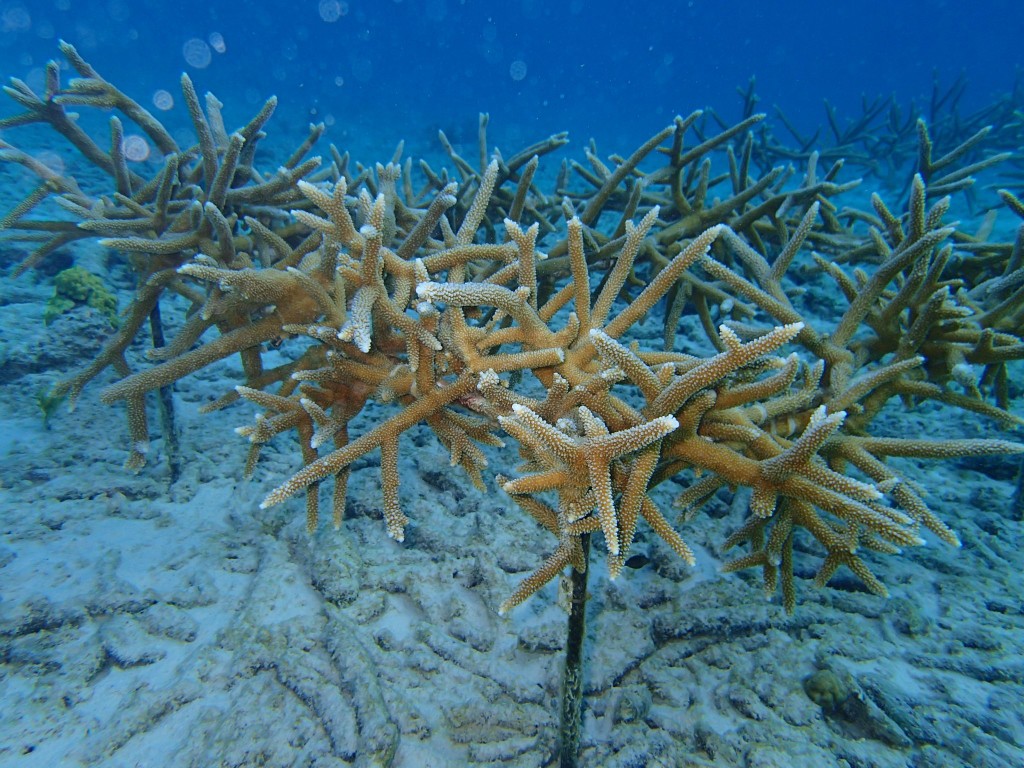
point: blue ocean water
(392, 69)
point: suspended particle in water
(36, 77)
(14, 18)
(51, 160)
(197, 53)
(332, 10)
(362, 69)
(517, 69)
(135, 148)
(217, 42)
(163, 99)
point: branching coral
(423, 301)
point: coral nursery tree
(439, 304)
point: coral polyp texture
(501, 317)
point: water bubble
(197, 53)
(135, 148)
(517, 69)
(162, 99)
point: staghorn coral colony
(501, 316)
